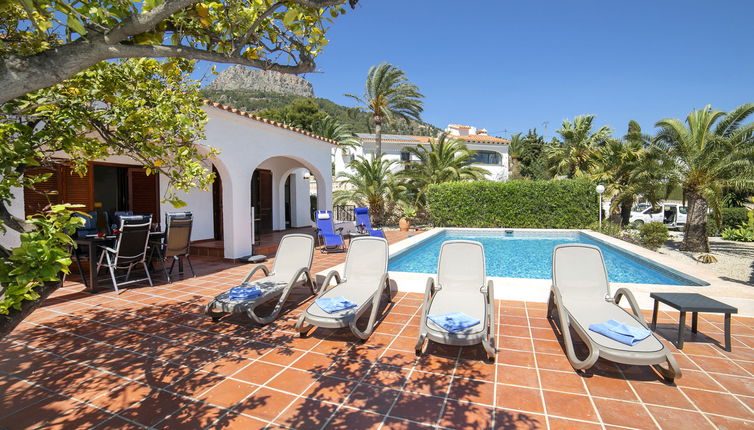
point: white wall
(245, 144)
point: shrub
(608, 227)
(744, 232)
(523, 204)
(732, 218)
(653, 235)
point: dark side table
(694, 303)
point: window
(683, 209)
(487, 157)
(405, 156)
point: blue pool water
(529, 255)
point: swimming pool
(528, 254)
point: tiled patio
(149, 358)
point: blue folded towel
(244, 292)
(454, 321)
(334, 304)
(620, 332)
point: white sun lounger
(580, 296)
(461, 287)
(364, 281)
(292, 264)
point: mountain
(245, 78)
(255, 90)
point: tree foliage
(711, 152)
(572, 155)
(445, 159)
(389, 96)
(371, 182)
(50, 40)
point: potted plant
(409, 213)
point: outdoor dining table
(93, 243)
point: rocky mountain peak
(245, 78)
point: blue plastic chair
(329, 240)
(364, 224)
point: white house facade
(262, 163)
(491, 153)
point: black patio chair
(176, 245)
(130, 249)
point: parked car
(672, 215)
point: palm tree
(389, 95)
(572, 156)
(630, 167)
(370, 182)
(330, 128)
(711, 152)
(444, 160)
(515, 151)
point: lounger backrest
(461, 265)
(578, 270)
(325, 222)
(294, 252)
(362, 218)
(367, 259)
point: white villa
(491, 152)
(262, 163)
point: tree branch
(250, 32)
(143, 22)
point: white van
(672, 215)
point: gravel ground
(735, 260)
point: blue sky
(513, 65)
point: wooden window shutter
(143, 194)
(79, 189)
(36, 199)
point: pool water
(529, 255)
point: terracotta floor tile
(227, 393)
(118, 423)
(671, 419)
(417, 407)
(83, 417)
(473, 390)
(40, 413)
(626, 414)
(400, 424)
(657, 393)
(519, 398)
(718, 403)
(569, 406)
(609, 387)
(515, 343)
(313, 362)
(281, 356)
(467, 414)
(195, 383)
(265, 404)
(564, 424)
(553, 362)
(386, 376)
(516, 358)
(427, 383)
(569, 382)
(293, 381)
(720, 365)
(349, 369)
(727, 423)
(330, 389)
(511, 420)
(306, 413)
(347, 419)
(371, 398)
(235, 421)
(474, 369)
(514, 375)
(193, 415)
(123, 397)
(736, 384)
(154, 408)
(258, 372)
(698, 379)
(227, 365)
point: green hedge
(522, 204)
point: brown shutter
(36, 199)
(79, 189)
(143, 194)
